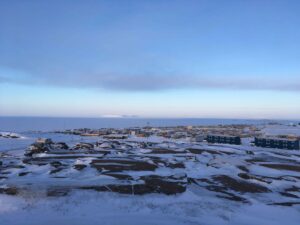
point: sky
(150, 58)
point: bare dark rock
(239, 185)
(176, 165)
(23, 173)
(249, 177)
(83, 145)
(60, 145)
(56, 164)
(233, 197)
(288, 195)
(164, 151)
(56, 170)
(153, 184)
(200, 151)
(272, 159)
(9, 191)
(57, 192)
(119, 176)
(166, 185)
(293, 189)
(249, 153)
(295, 168)
(36, 148)
(79, 166)
(118, 165)
(285, 203)
(243, 168)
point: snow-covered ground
(223, 184)
(27, 138)
(86, 208)
(281, 130)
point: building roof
(222, 135)
(278, 139)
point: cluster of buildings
(265, 142)
(281, 143)
(226, 139)
(177, 132)
(224, 134)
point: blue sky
(213, 58)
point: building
(199, 138)
(225, 139)
(273, 142)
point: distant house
(116, 136)
(178, 135)
(199, 138)
(83, 145)
(225, 139)
(273, 142)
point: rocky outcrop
(43, 145)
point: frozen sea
(21, 124)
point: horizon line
(144, 117)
